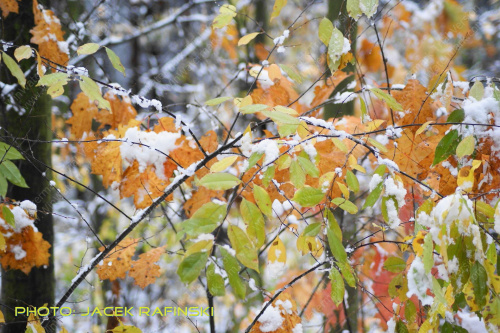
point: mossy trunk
(36, 288)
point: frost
(22, 219)
(393, 133)
(345, 97)
(297, 329)
(52, 183)
(391, 326)
(397, 190)
(269, 148)
(18, 251)
(392, 215)
(376, 179)
(28, 206)
(251, 284)
(204, 237)
(229, 250)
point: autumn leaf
(145, 270)
(118, 262)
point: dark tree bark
(36, 288)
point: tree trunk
(36, 288)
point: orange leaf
(118, 262)
(9, 6)
(145, 270)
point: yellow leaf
(344, 190)
(466, 146)
(223, 164)
(278, 5)
(374, 124)
(466, 176)
(23, 52)
(2, 318)
(241, 102)
(277, 251)
(247, 38)
(423, 127)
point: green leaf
(347, 273)
(227, 12)
(477, 91)
(338, 287)
(93, 92)
(217, 101)
(335, 48)
(7, 152)
(297, 175)
(23, 52)
(190, 268)
(205, 219)
(292, 74)
(219, 181)
(245, 251)
(268, 175)
(247, 38)
(8, 216)
(457, 116)
(252, 108)
(89, 48)
(254, 158)
(410, 311)
(446, 147)
(263, 200)
(3, 186)
(395, 264)
(401, 327)
(336, 247)
(215, 282)
(479, 280)
(115, 61)
(353, 9)
(308, 196)
(325, 30)
(11, 172)
(281, 118)
(278, 5)
(232, 269)
(333, 225)
(255, 222)
(352, 181)
(308, 166)
(391, 101)
(285, 130)
(428, 257)
(466, 146)
(345, 205)
(14, 69)
(312, 230)
(53, 79)
(368, 7)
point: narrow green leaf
(281, 118)
(205, 219)
(232, 269)
(219, 181)
(477, 91)
(217, 101)
(428, 257)
(338, 287)
(7, 152)
(263, 200)
(308, 166)
(115, 61)
(373, 196)
(336, 247)
(3, 186)
(308, 196)
(312, 230)
(254, 158)
(335, 48)
(292, 73)
(352, 181)
(347, 273)
(297, 175)
(8, 216)
(14, 69)
(353, 9)
(11, 172)
(325, 30)
(395, 264)
(89, 48)
(466, 146)
(245, 251)
(255, 222)
(215, 282)
(53, 79)
(345, 205)
(252, 108)
(457, 116)
(391, 101)
(268, 175)
(479, 280)
(93, 92)
(333, 225)
(190, 268)
(446, 147)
